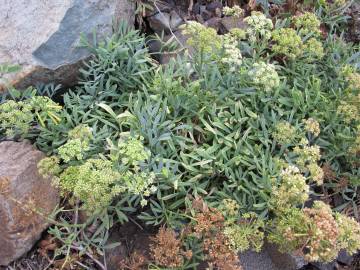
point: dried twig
(100, 264)
(171, 31)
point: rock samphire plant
(221, 149)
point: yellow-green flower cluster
(284, 133)
(202, 38)
(230, 209)
(287, 42)
(289, 230)
(232, 54)
(72, 149)
(334, 6)
(312, 126)
(248, 233)
(235, 11)
(313, 49)
(77, 144)
(347, 111)
(82, 132)
(316, 232)
(312, 231)
(349, 233)
(139, 183)
(49, 167)
(307, 23)
(129, 151)
(264, 76)
(237, 33)
(16, 118)
(322, 239)
(307, 155)
(354, 80)
(45, 109)
(259, 27)
(355, 147)
(95, 183)
(316, 173)
(292, 189)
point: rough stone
(355, 22)
(26, 199)
(213, 23)
(344, 257)
(43, 36)
(207, 15)
(323, 266)
(228, 23)
(212, 6)
(163, 6)
(251, 260)
(284, 261)
(163, 21)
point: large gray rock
(251, 260)
(43, 35)
(26, 200)
(284, 261)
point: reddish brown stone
(26, 199)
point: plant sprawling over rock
(223, 147)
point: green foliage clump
(221, 129)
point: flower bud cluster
(259, 27)
(77, 145)
(284, 133)
(316, 232)
(232, 54)
(234, 11)
(292, 189)
(17, 118)
(347, 111)
(287, 42)
(248, 233)
(265, 76)
(312, 126)
(307, 23)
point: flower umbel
(265, 76)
